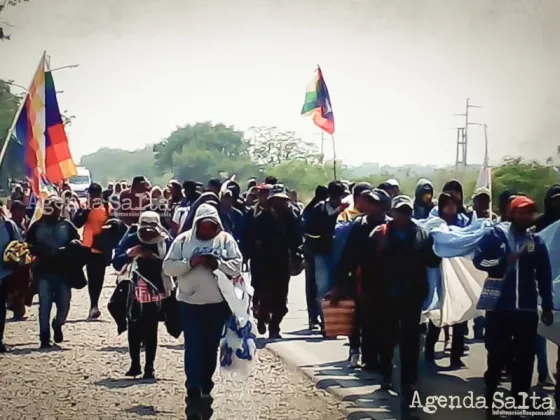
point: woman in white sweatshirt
(193, 258)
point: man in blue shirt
(519, 261)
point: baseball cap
(402, 201)
(361, 187)
(372, 195)
(522, 202)
(278, 191)
(393, 183)
(481, 191)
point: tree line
(205, 150)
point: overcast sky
(397, 70)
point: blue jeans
(52, 290)
(202, 330)
(542, 357)
(323, 279)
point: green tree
(524, 176)
(103, 167)
(202, 151)
(12, 164)
(3, 5)
(272, 146)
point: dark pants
(144, 329)
(202, 330)
(400, 325)
(510, 334)
(273, 298)
(557, 387)
(4, 283)
(371, 323)
(311, 290)
(457, 342)
(95, 269)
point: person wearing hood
(208, 197)
(424, 199)
(455, 190)
(276, 243)
(551, 209)
(193, 258)
(144, 250)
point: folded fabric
(455, 292)
(238, 344)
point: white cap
(393, 183)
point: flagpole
(334, 156)
(488, 168)
(18, 113)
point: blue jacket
(530, 277)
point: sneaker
(57, 335)
(354, 360)
(274, 335)
(3, 348)
(134, 371)
(45, 345)
(386, 385)
(261, 327)
(456, 364)
(94, 313)
(545, 381)
(149, 373)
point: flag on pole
(40, 130)
(30, 128)
(58, 160)
(318, 103)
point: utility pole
(463, 136)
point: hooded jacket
(421, 209)
(198, 285)
(456, 186)
(550, 215)
(206, 198)
(525, 280)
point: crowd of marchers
(354, 241)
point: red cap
(263, 187)
(521, 202)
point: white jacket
(199, 286)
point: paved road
(325, 362)
(84, 379)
